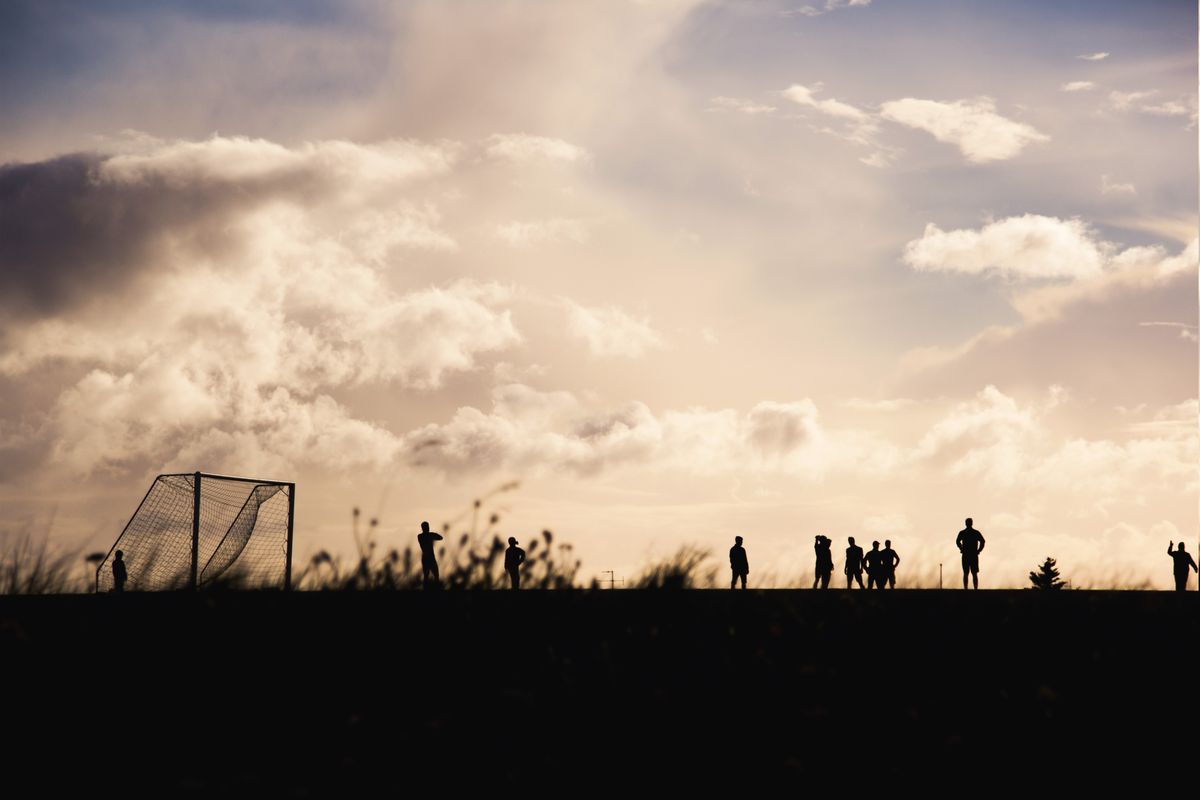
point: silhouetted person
(824, 570)
(970, 544)
(514, 557)
(120, 575)
(891, 560)
(429, 567)
(874, 564)
(854, 562)
(1183, 565)
(738, 563)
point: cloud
(972, 125)
(995, 438)
(1131, 269)
(803, 95)
(991, 438)
(739, 105)
(205, 299)
(527, 234)
(1094, 56)
(1077, 86)
(610, 332)
(524, 147)
(1029, 246)
(1186, 332)
(555, 431)
(78, 226)
(985, 437)
(829, 5)
(1109, 186)
(1170, 108)
(878, 159)
(858, 126)
(1134, 102)
(1094, 314)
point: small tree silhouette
(1047, 576)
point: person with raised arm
(1183, 565)
(514, 557)
(429, 566)
(824, 569)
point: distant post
(192, 583)
(287, 569)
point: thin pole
(195, 528)
(287, 569)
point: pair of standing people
(880, 565)
(514, 557)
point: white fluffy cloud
(1093, 56)
(610, 332)
(803, 95)
(1029, 246)
(1078, 86)
(972, 125)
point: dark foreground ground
(601, 692)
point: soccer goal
(196, 529)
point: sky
(685, 270)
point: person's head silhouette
(969, 522)
(1181, 547)
(887, 543)
(424, 527)
(875, 545)
(737, 540)
(512, 540)
(121, 554)
(851, 541)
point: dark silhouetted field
(314, 694)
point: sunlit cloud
(971, 125)
(610, 332)
(1029, 246)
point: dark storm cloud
(69, 232)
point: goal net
(196, 529)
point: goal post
(199, 529)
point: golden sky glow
(686, 270)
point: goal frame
(197, 492)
